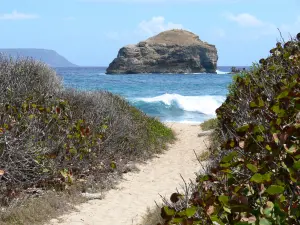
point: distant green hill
(50, 57)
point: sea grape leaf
(224, 199)
(275, 189)
(291, 149)
(268, 209)
(264, 221)
(168, 211)
(257, 178)
(260, 138)
(268, 147)
(252, 167)
(258, 129)
(253, 105)
(177, 220)
(226, 209)
(243, 128)
(229, 157)
(216, 220)
(267, 176)
(191, 211)
(261, 103)
(297, 165)
(225, 165)
(283, 94)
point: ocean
(185, 98)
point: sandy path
(161, 175)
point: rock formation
(173, 51)
(50, 57)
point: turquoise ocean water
(186, 98)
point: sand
(126, 204)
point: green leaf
(268, 147)
(33, 105)
(217, 220)
(297, 165)
(260, 138)
(226, 209)
(113, 165)
(261, 103)
(191, 211)
(225, 165)
(224, 199)
(73, 151)
(257, 178)
(182, 213)
(258, 129)
(291, 149)
(280, 112)
(169, 212)
(177, 220)
(253, 105)
(283, 94)
(204, 178)
(278, 121)
(268, 209)
(229, 157)
(267, 176)
(264, 221)
(243, 128)
(252, 167)
(275, 189)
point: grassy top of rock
(176, 37)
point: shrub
(209, 124)
(257, 177)
(51, 136)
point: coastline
(128, 203)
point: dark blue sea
(186, 98)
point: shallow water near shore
(184, 98)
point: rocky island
(50, 57)
(174, 51)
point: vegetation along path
(126, 204)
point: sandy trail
(126, 204)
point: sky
(90, 32)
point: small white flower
(277, 53)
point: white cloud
(144, 29)
(245, 20)
(15, 15)
(157, 25)
(263, 28)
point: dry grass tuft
(152, 216)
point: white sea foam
(202, 104)
(221, 72)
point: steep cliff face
(173, 51)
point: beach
(128, 202)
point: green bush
(256, 176)
(51, 136)
(209, 124)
